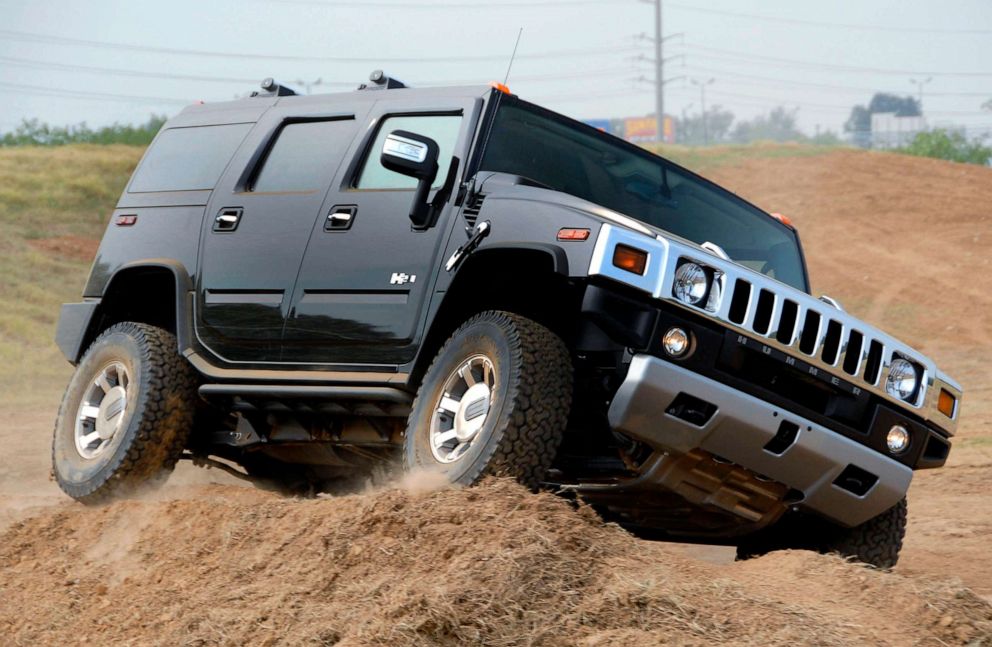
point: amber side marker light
(630, 258)
(573, 234)
(945, 403)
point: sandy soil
(900, 241)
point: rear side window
(441, 128)
(304, 156)
(188, 159)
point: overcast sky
(100, 61)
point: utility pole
(919, 86)
(659, 74)
(702, 103)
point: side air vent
(472, 209)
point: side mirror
(415, 156)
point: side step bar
(368, 393)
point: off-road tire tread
(876, 542)
(537, 402)
(166, 405)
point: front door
(257, 227)
(366, 275)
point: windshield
(574, 158)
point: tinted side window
(304, 156)
(441, 128)
(188, 159)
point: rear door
(258, 223)
(367, 273)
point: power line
(46, 38)
(46, 65)
(830, 25)
(773, 60)
(375, 4)
(113, 71)
(17, 88)
(825, 86)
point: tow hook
(481, 230)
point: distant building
(891, 131)
(636, 129)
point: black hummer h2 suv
(457, 279)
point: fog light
(897, 439)
(676, 342)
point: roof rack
(379, 81)
(273, 89)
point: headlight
(903, 379)
(691, 283)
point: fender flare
(78, 322)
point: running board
(279, 391)
(380, 374)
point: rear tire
(495, 400)
(126, 414)
(876, 542)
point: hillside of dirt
(899, 241)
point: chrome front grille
(818, 333)
(830, 341)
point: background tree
(32, 132)
(718, 121)
(949, 145)
(779, 125)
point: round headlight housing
(691, 283)
(903, 379)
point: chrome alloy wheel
(462, 410)
(102, 411)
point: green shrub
(32, 132)
(946, 145)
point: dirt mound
(493, 564)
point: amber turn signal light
(631, 259)
(945, 403)
(568, 233)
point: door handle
(228, 218)
(340, 218)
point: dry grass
(49, 197)
(492, 565)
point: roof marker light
(782, 218)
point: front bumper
(838, 478)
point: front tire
(495, 400)
(126, 414)
(876, 542)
